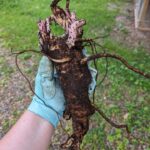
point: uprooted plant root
(71, 65)
(66, 53)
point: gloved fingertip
(44, 60)
(45, 65)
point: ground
(122, 104)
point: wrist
(44, 111)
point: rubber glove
(48, 101)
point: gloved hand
(49, 101)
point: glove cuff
(45, 112)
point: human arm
(31, 132)
(36, 126)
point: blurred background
(124, 96)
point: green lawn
(124, 96)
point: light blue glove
(49, 99)
(93, 82)
(93, 74)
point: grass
(19, 20)
(124, 96)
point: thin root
(30, 86)
(101, 55)
(111, 122)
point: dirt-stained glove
(49, 102)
